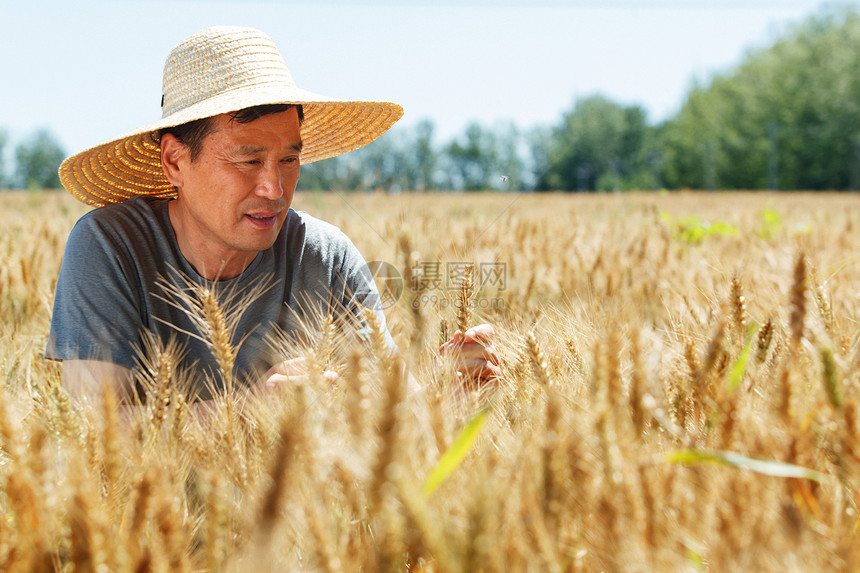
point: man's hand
(474, 356)
(289, 372)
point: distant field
(681, 392)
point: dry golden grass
(664, 354)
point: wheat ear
(798, 302)
(830, 377)
(763, 341)
(378, 344)
(464, 307)
(538, 358)
(739, 309)
(443, 331)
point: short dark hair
(193, 133)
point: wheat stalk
(556, 482)
(386, 466)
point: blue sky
(90, 70)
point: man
(198, 204)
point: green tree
(381, 162)
(598, 145)
(421, 158)
(788, 117)
(37, 160)
(333, 174)
(472, 159)
(510, 168)
(407, 159)
(404, 160)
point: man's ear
(173, 152)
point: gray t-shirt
(108, 290)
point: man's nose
(270, 184)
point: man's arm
(87, 378)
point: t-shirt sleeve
(360, 289)
(96, 312)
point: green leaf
(736, 374)
(722, 229)
(771, 218)
(771, 224)
(455, 454)
(764, 467)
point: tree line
(788, 117)
(34, 164)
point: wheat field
(680, 392)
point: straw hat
(220, 70)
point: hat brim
(131, 164)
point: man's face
(233, 198)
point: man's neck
(209, 261)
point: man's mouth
(262, 221)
